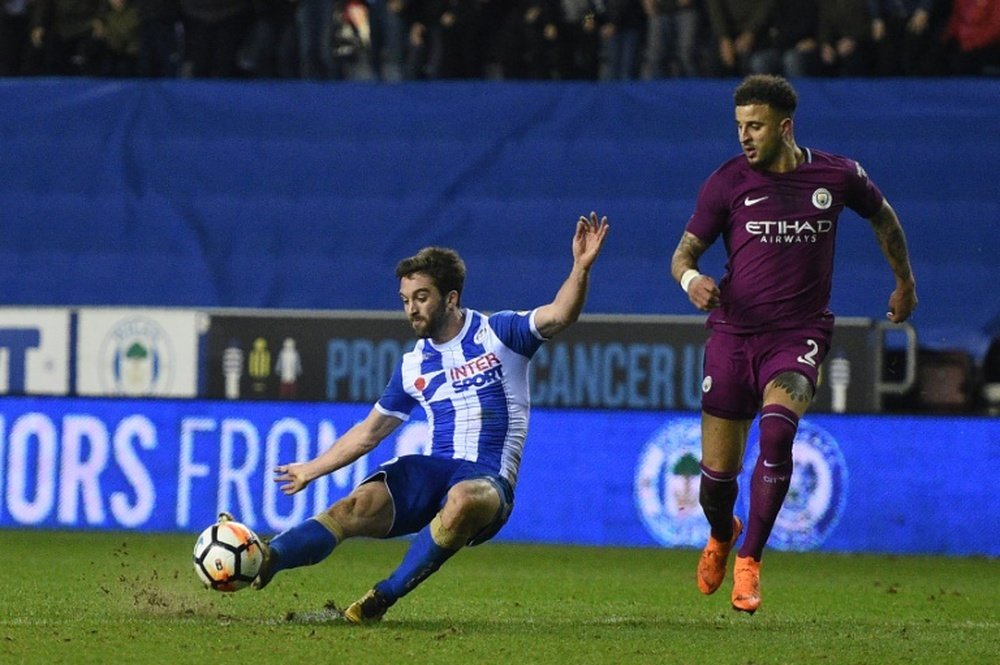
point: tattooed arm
(701, 289)
(892, 241)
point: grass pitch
(85, 597)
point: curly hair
(774, 91)
(444, 266)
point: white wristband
(689, 275)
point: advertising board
(590, 477)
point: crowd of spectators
(498, 39)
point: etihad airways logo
(789, 231)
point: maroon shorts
(738, 367)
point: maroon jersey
(779, 230)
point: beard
(429, 327)
(765, 157)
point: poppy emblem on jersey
(822, 198)
(420, 383)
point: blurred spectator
(974, 27)
(672, 38)
(15, 42)
(902, 35)
(271, 47)
(64, 31)
(314, 25)
(491, 19)
(393, 40)
(390, 36)
(528, 40)
(790, 46)
(418, 41)
(214, 30)
(579, 46)
(423, 19)
(844, 35)
(622, 34)
(457, 43)
(159, 44)
(117, 31)
(352, 40)
(737, 26)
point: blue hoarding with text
(861, 483)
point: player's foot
(268, 566)
(714, 560)
(369, 609)
(746, 584)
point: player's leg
(367, 511)
(723, 443)
(729, 403)
(785, 400)
(788, 368)
(474, 511)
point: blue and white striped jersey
(474, 389)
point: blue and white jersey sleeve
(395, 401)
(517, 331)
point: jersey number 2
(809, 357)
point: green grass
(71, 597)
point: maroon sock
(771, 476)
(718, 496)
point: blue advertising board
(861, 483)
(279, 194)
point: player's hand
(294, 476)
(704, 293)
(902, 302)
(588, 239)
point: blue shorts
(419, 484)
(739, 367)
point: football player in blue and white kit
(469, 373)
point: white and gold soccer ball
(227, 555)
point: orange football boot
(746, 584)
(714, 559)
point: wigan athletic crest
(137, 358)
(667, 481)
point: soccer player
(469, 372)
(776, 207)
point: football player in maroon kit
(776, 207)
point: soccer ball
(227, 555)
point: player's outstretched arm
(702, 290)
(566, 307)
(892, 241)
(355, 442)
